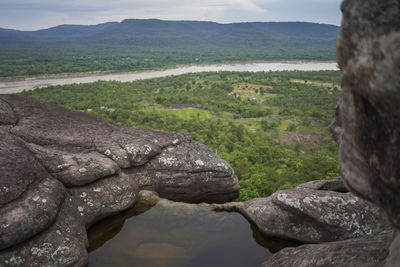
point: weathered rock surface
(314, 216)
(367, 129)
(105, 197)
(185, 172)
(393, 258)
(335, 185)
(367, 125)
(15, 178)
(61, 171)
(367, 251)
(31, 213)
(62, 244)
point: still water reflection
(177, 234)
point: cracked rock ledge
(61, 171)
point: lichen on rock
(63, 170)
(315, 216)
(367, 130)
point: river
(9, 87)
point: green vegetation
(134, 45)
(271, 127)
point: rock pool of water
(178, 234)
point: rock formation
(368, 117)
(367, 130)
(62, 170)
(346, 229)
(367, 251)
(308, 215)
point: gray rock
(314, 216)
(367, 251)
(62, 244)
(78, 148)
(368, 119)
(7, 116)
(61, 171)
(367, 124)
(393, 258)
(189, 172)
(105, 197)
(31, 213)
(335, 185)
(74, 169)
(367, 130)
(15, 177)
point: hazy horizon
(42, 14)
(168, 20)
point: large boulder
(61, 171)
(367, 125)
(367, 129)
(314, 216)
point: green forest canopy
(270, 126)
(133, 45)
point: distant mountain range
(138, 44)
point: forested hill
(142, 44)
(139, 32)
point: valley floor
(270, 126)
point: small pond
(178, 234)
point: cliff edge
(61, 171)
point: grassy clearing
(183, 113)
(253, 92)
(329, 85)
(277, 141)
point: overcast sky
(38, 14)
